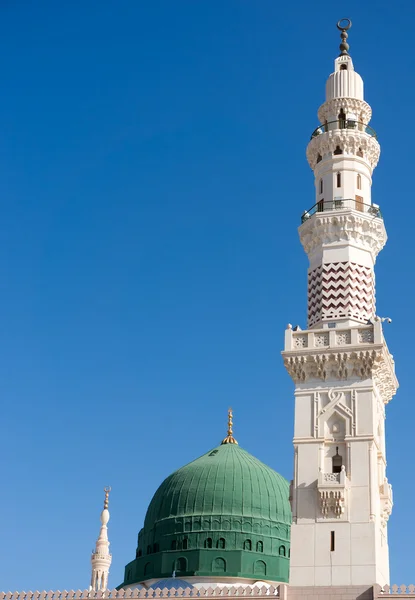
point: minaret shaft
(101, 557)
(341, 367)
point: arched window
(343, 67)
(219, 565)
(174, 545)
(208, 543)
(338, 179)
(260, 568)
(247, 545)
(148, 569)
(282, 551)
(148, 549)
(185, 544)
(220, 543)
(337, 462)
(321, 186)
(138, 553)
(359, 181)
(156, 548)
(360, 153)
(338, 151)
(342, 119)
(319, 158)
(259, 546)
(181, 565)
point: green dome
(225, 514)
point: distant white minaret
(343, 372)
(101, 557)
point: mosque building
(226, 524)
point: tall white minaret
(342, 369)
(101, 557)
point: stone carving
(332, 503)
(360, 108)
(375, 363)
(332, 477)
(343, 338)
(365, 336)
(254, 591)
(351, 141)
(386, 501)
(321, 340)
(363, 230)
(300, 341)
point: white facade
(343, 372)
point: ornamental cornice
(374, 362)
(345, 225)
(349, 105)
(351, 141)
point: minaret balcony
(346, 124)
(348, 138)
(338, 204)
(332, 490)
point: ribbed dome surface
(224, 481)
(225, 514)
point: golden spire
(107, 493)
(229, 438)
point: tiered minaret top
(101, 557)
(343, 232)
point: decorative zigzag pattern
(341, 290)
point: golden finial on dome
(229, 438)
(107, 490)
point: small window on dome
(208, 543)
(360, 153)
(338, 151)
(343, 67)
(213, 452)
(247, 545)
(319, 158)
(259, 546)
(185, 544)
(282, 551)
(221, 543)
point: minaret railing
(341, 204)
(343, 124)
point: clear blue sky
(152, 177)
